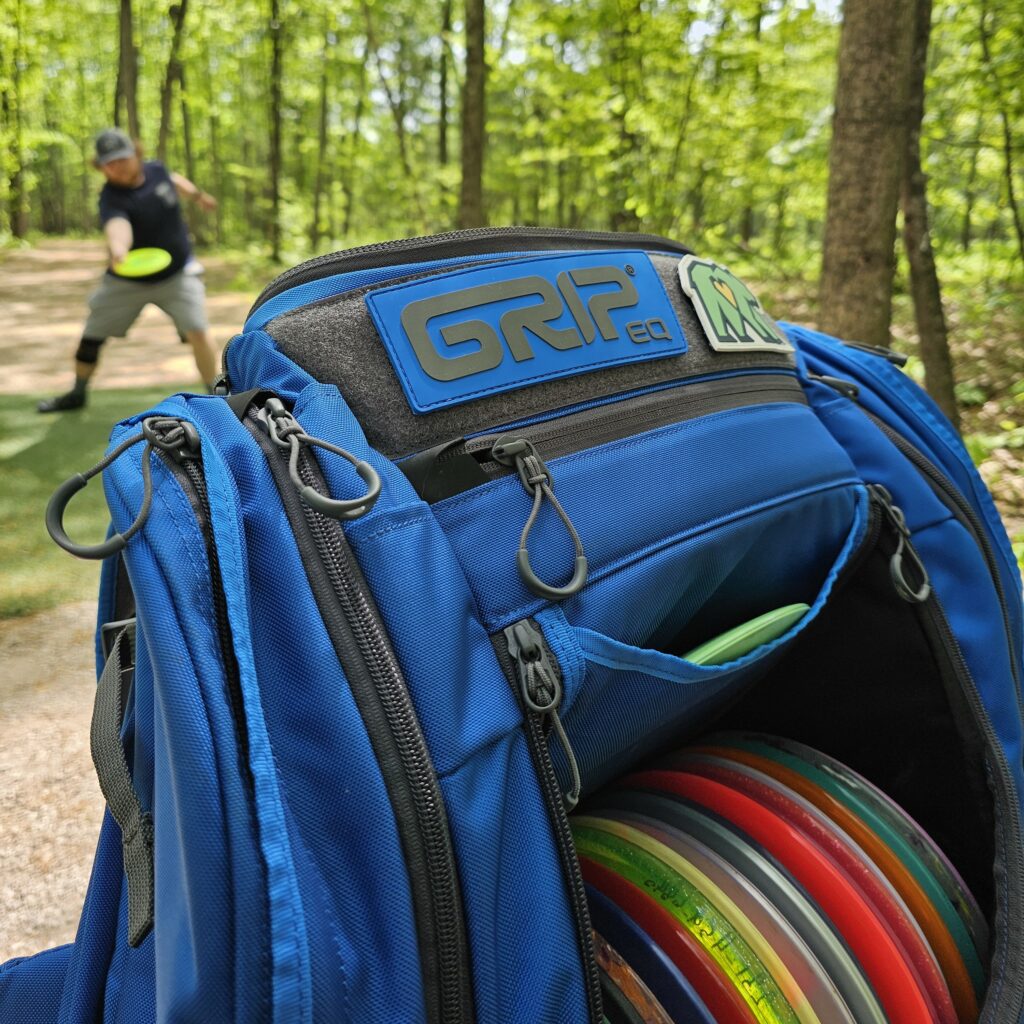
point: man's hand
(186, 188)
(119, 239)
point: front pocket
(622, 701)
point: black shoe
(62, 403)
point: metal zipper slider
(904, 549)
(286, 432)
(536, 480)
(540, 686)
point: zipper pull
(177, 437)
(904, 549)
(536, 480)
(286, 432)
(845, 387)
(540, 687)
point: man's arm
(119, 238)
(185, 187)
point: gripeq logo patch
(459, 336)
(729, 311)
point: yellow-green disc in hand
(143, 263)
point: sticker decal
(463, 335)
(728, 310)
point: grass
(36, 454)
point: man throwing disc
(139, 209)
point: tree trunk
(348, 184)
(172, 74)
(924, 280)
(747, 221)
(442, 120)
(1004, 119)
(865, 169)
(471, 196)
(18, 207)
(214, 161)
(275, 130)
(627, 58)
(321, 156)
(966, 227)
(127, 74)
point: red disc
(820, 829)
(828, 883)
(720, 995)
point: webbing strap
(116, 783)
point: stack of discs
(755, 880)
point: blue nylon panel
(632, 696)
(896, 399)
(524, 959)
(82, 998)
(635, 495)
(130, 996)
(354, 882)
(255, 361)
(31, 986)
(959, 574)
(211, 882)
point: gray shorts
(117, 303)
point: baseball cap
(113, 144)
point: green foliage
(705, 120)
(36, 454)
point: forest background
(324, 125)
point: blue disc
(666, 982)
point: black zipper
(535, 676)
(1009, 1000)
(456, 466)
(916, 589)
(371, 668)
(451, 245)
(187, 469)
(949, 494)
(962, 509)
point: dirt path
(50, 802)
(43, 294)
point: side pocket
(622, 702)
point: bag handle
(116, 783)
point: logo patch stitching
(522, 322)
(728, 310)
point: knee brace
(89, 350)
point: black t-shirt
(154, 212)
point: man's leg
(183, 299)
(86, 358)
(206, 355)
(113, 308)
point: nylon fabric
(285, 890)
(472, 725)
(890, 395)
(615, 485)
(334, 284)
(637, 696)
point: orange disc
(935, 931)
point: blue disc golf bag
(424, 573)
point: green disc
(623, 849)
